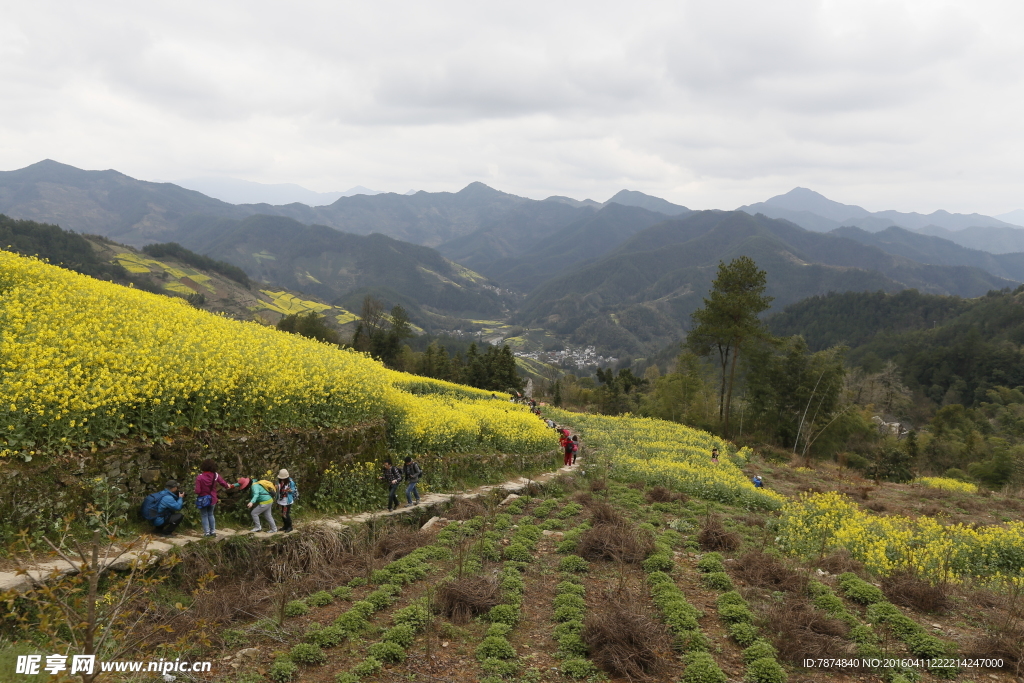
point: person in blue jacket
(168, 515)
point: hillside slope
(938, 251)
(214, 289)
(568, 248)
(332, 265)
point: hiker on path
(206, 495)
(757, 481)
(392, 477)
(168, 505)
(566, 443)
(412, 472)
(714, 455)
(575, 448)
(261, 503)
(287, 492)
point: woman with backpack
(263, 499)
(206, 495)
(287, 492)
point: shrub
(326, 637)
(342, 593)
(296, 608)
(368, 667)
(568, 613)
(553, 525)
(743, 633)
(710, 562)
(364, 608)
(504, 614)
(616, 542)
(571, 645)
(282, 670)
(735, 614)
(499, 629)
(928, 646)
(659, 577)
(859, 590)
(468, 597)
(566, 627)
(351, 622)
(714, 536)
(573, 563)
(718, 581)
(400, 634)
(571, 599)
(380, 599)
(387, 651)
(513, 583)
(517, 552)
(319, 599)
(570, 510)
(307, 653)
(496, 647)
(568, 545)
(765, 670)
(701, 668)
(578, 668)
(568, 587)
(693, 640)
(530, 532)
(357, 582)
(862, 633)
(233, 637)
(730, 598)
(659, 562)
(499, 669)
(624, 639)
(415, 615)
(758, 649)
(767, 571)
(346, 677)
(907, 589)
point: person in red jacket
(566, 443)
(206, 492)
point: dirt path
(149, 548)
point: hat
(244, 481)
(171, 484)
(283, 474)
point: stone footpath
(160, 544)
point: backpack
(150, 506)
(269, 486)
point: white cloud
(911, 105)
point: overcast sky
(905, 105)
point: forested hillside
(639, 298)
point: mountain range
(623, 274)
(236, 191)
(813, 211)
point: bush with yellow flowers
(947, 484)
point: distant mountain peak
(646, 201)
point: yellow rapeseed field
(83, 362)
(679, 457)
(814, 524)
(674, 455)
